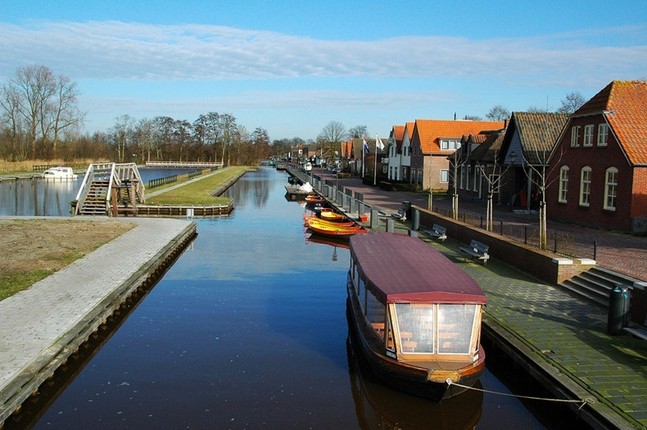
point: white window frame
(610, 188)
(588, 135)
(603, 134)
(563, 185)
(444, 176)
(585, 186)
(575, 136)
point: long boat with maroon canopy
(416, 315)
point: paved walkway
(566, 336)
(622, 253)
(38, 325)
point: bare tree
(358, 131)
(571, 103)
(42, 105)
(493, 175)
(229, 128)
(331, 136)
(498, 113)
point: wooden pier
(177, 211)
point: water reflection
(380, 407)
(37, 197)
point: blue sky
(291, 67)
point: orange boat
(328, 228)
(314, 198)
(314, 219)
(330, 215)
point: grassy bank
(199, 192)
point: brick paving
(619, 252)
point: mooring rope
(546, 399)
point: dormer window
(447, 144)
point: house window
(449, 144)
(588, 135)
(444, 176)
(610, 188)
(603, 134)
(575, 136)
(563, 184)
(461, 176)
(477, 179)
(585, 186)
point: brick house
(399, 153)
(526, 148)
(599, 164)
(433, 141)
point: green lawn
(199, 192)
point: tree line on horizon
(40, 120)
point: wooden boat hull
(328, 228)
(313, 199)
(322, 222)
(411, 379)
(332, 216)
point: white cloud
(132, 51)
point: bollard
(415, 219)
(375, 218)
(413, 233)
(618, 316)
(390, 225)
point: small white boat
(59, 173)
(302, 190)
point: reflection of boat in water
(336, 242)
(417, 315)
(59, 173)
(379, 406)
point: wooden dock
(176, 211)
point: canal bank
(43, 326)
(557, 338)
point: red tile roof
(430, 131)
(397, 133)
(625, 106)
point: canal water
(248, 330)
(40, 197)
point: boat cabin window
(455, 327)
(416, 327)
(375, 313)
(435, 328)
(361, 293)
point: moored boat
(59, 173)
(314, 198)
(330, 215)
(299, 189)
(328, 228)
(318, 221)
(416, 314)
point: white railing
(199, 164)
(118, 174)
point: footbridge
(109, 189)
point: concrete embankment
(41, 327)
